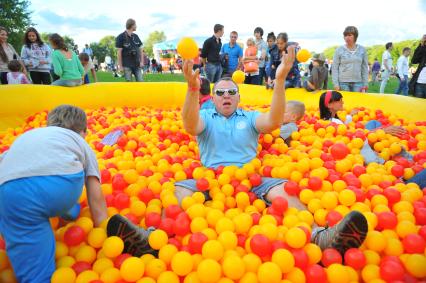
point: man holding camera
(129, 52)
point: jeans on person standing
(385, 78)
(420, 90)
(419, 179)
(354, 87)
(252, 79)
(62, 82)
(374, 75)
(136, 71)
(213, 71)
(403, 86)
(262, 75)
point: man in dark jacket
(418, 81)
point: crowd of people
(56, 63)
(57, 161)
(349, 68)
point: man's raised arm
(192, 122)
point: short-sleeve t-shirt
(131, 53)
(45, 152)
(228, 141)
(262, 47)
(387, 56)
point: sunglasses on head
(230, 91)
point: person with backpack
(130, 53)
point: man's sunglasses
(230, 91)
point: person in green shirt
(65, 63)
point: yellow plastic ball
(182, 263)
(238, 77)
(337, 273)
(233, 267)
(295, 237)
(269, 272)
(284, 259)
(64, 275)
(209, 271)
(132, 269)
(113, 246)
(158, 239)
(212, 249)
(187, 48)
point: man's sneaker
(350, 232)
(135, 238)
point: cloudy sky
(315, 24)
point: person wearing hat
(319, 74)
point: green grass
(167, 77)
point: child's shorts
(26, 205)
(261, 191)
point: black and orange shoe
(135, 238)
(349, 233)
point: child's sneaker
(135, 238)
(350, 232)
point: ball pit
(234, 236)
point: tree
(15, 17)
(153, 37)
(106, 46)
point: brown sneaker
(350, 232)
(135, 238)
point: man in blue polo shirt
(235, 53)
(227, 135)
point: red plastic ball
(315, 183)
(420, 215)
(74, 235)
(397, 171)
(386, 220)
(153, 219)
(393, 195)
(255, 179)
(315, 274)
(339, 151)
(279, 205)
(355, 258)
(414, 244)
(333, 217)
(292, 188)
(146, 195)
(172, 211)
(167, 226)
(81, 266)
(391, 270)
(105, 176)
(181, 227)
(330, 256)
(260, 245)
(196, 242)
(202, 184)
(301, 258)
(120, 259)
(121, 201)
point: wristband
(193, 88)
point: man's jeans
(213, 72)
(136, 71)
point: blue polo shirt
(234, 53)
(228, 141)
